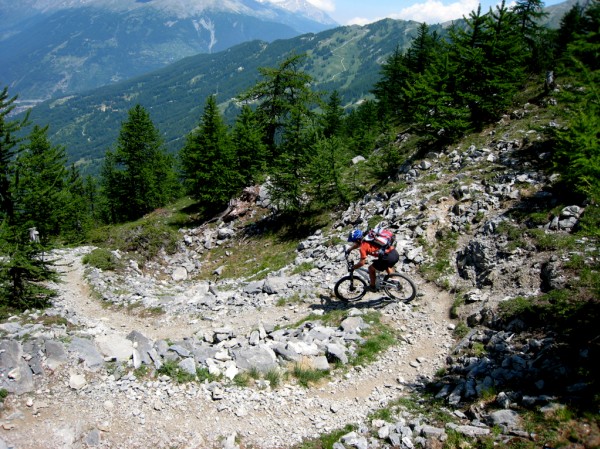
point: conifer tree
(422, 49)
(77, 214)
(247, 137)
(288, 181)
(324, 172)
(38, 184)
(208, 159)
(486, 59)
(8, 145)
(534, 37)
(399, 72)
(138, 176)
(22, 263)
(285, 109)
(577, 147)
(361, 128)
(436, 113)
(333, 116)
(283, 91)
(389, 90)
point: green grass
(327, 440)
(295, 298)
(171, 369)
(303, 268)
(274, 377)
(308, 376)
(145, 237)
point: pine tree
(286, 104)
(283, 91)
(8, 144)
(577, 147)
(436, 113)
(534, 37)
(208, 160)
(324, 171)
(389, 90)
(22, 263)
(333, 116)
(422, 50)
(486, 62)
(399, 72)
(247, 137)
(361, 128)
(138, 176)
(77, 214)
(38, 184)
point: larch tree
(208, 160)
(285, 108)
(22, 262)
(138, 176)
(38, 184)
(250, 149)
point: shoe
(371, 289)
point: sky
(361, 12)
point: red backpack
(380, 236)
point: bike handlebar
(349, 262)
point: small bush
(101, 258)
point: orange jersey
(368, 249)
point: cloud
(324, 5)
(434, 11)
(361, 21)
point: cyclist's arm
(363, 258)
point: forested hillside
(346, 59)
(289, 130)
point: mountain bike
(354, 286)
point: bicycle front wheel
(399, 287)
(350, 288)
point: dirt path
(128, 413)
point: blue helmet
(355, 236)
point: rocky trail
(88, 383)
(157, 413)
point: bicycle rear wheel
(399, 287)
(350, 288)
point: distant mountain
(56, 47)
(347, 59)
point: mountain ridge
(346, 59)
(53, 49)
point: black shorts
(386, 261)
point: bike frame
(363, 273)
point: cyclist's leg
(372, 274)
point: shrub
(101, 258)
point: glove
(347, 251)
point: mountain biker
(385, 261)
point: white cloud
(324, 5)
(434, 11)
(360, 21)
